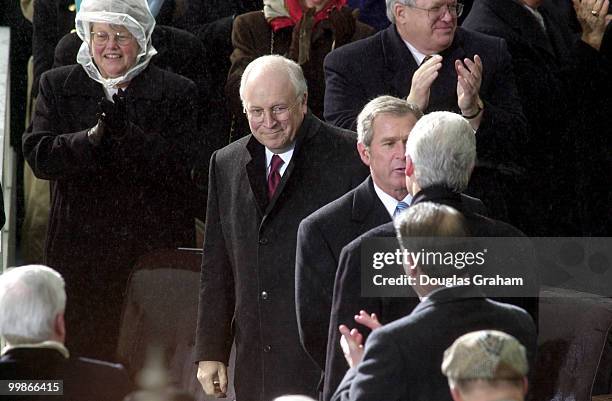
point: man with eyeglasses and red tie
(260, 189)
(424, 57)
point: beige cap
(485, 354)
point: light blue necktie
(401, 206)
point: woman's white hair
(442, 147)
(30, 299)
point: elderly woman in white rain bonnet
(116, 136)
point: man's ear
(305, 103)
(364, 153)
(455, 394)
(409, 167)
(525, 385)
(59, 327)
(399, 11)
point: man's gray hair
(30, 299)
(422, 226)
(382, 105)
(391, 4)
(442, 147)
(293, 70)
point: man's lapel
(309, 128)
(399, 62)
(256, 172)
(366, 204)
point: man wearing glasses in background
(260, 188)
(425, 58)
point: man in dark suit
(32, 304)
(575, 74)
(440, 155)
(424, 57)
(382, 130)
(402, 359)
(260, 188)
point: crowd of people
(294, 133)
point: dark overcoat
(564, 86)
(383, 65)
(402, 359)
(113, 202)
(248, 268)
(83, 378)
(321, 237)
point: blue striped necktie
(401, 206)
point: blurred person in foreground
(32, 322)
(115, 135)
(486, 365)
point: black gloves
(113, 117)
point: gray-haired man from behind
(486, 365)
(32, 305)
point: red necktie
(274, 177)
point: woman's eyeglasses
(102, 37)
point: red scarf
(295, 13)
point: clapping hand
(422, 79)
(113, 115)
(593, 18)
(469, 79)
(352, 340)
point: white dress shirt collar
(418, 56)
(45, 344)
(286, 156)
(388, 201)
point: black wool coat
(248, 267)
(321, 237)
(564, 87)
(113, 202)
(402, 359)
(83, 378)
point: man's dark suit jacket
(390, 67)
(402, 359)
(248, 269)
(347, 300)
(321, 237)
(577, 80)
(84, 379)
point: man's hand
(368, 320)
(352, 340)
(422, 79)
(351, 343)
(212, 375)
(469, 78)
(593, 18)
